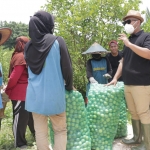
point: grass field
(6, 135)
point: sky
(145, 4)
(21, 10)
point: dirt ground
(118, 145)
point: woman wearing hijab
(50, 73)
(16, 90)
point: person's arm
(14, 77)
(89, 73)
(119, 70)
(66, 64)
(117, 75)
(89, 69)
(141, 51)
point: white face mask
(129, 28)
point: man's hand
(92, 80)
(113, 82)
(107, 76)
(124, 38)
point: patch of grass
(6, 134)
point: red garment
(18, 56)
(17, 59)
(17, 84)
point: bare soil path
(118, 145)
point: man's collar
(136, 34)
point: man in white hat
(4, 36)
(135, 69)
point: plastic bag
(103, 112)
(78, 133)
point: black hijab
(41, 27)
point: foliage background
(18, 29)
(80, 23)
(83, 22)
(6, 135)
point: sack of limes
(103, 113)
(78, 133)
(122, 124)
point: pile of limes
(103, 112)
(122, 125)
(78, 133)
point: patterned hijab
(41, 27)
(18, 56)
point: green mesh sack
(51, 133)
(122, 124)
(103, 114)
(78, 133)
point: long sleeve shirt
(17, 84)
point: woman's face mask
(96, 56)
